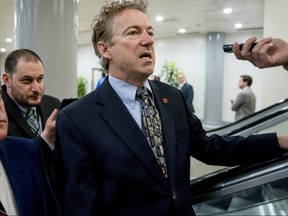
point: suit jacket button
(174, 195)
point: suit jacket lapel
(120, 122)
(15, 114)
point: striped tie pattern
(152, 126)
(30, 118)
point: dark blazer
(23, 162)
(107, 167)
(188, 93)
(18, 127)
(17, 123)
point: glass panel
(266, 199)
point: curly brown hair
(102, 24)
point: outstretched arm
(268, 52)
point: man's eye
(40, 79)
(26, 81)
(151, 34)
(133, 33)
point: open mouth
(146, 55)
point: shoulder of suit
(20, 145)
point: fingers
(53, 115)
(247, 46)
(236, 51)
(259, 52)
(245, 54)
(258, 55)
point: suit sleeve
(240, 99)
(72, 154)
(232, 150)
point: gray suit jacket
(244, 104)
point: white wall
(87, 60)
(189, 55)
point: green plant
(170, 73)
(81, 86)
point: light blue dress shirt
(127, 93)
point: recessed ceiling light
(2, 50)
(238, 25)
(227, 10)
(159, 18)
(9, 40)
(182, 30)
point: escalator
(261, 189)
(276, 121)
(249, 119)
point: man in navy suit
(106, 165)
(25, 187)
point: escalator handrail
(257, 122)
(209, 186)
(250, 117)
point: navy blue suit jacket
(23, 162)
(106, 164)
(188, 93)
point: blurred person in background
(245, 102)
(187, 90)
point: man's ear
(104, 49)
(6, 78)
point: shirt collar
(24, 108)
(126, 91)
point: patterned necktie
(152, 127)
(30, 118)
(2, 210)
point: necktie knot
(31, 120)
(29, 113)
(142, 92)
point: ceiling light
(9, 40)
(227, 10)
(238, 25)
(159, 18)
(2, 50)
(182, 30)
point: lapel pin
(165, 100)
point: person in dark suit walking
(187, 90)
(23, 88)
(107, 163)
(25, 187)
